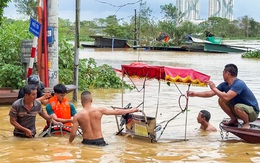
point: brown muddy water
(180, 142)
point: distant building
(190, 9)
(221, 8)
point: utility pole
(135, 31)
(76, 55)
(53, 47)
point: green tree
(87, 28)
(113, 29)
(90, 75)
(3, 4)
(11, 68)
(184, 29)
(170, 21)
(220, 27)
(66, 28)
(146, 26)
(27, 7)
(249, 27)
(254, 28)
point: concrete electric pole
(53, 42)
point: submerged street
(175, 144)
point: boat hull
(251, 135)
(221, 48)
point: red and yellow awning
(166, 73)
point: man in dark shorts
(235, 98)
(23, 113)
(89, 119)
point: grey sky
(91, 9)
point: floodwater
(181, 141)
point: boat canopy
(166, 73)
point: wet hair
(232, 69)
(86, 97)
(205, 114)
(60, 88)
(28, 89)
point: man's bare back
(89, 119)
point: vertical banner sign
(35, 29)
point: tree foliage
(11, 68)
(90, 75)
(27, 7)
(3, 4)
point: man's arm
(74, 128)
(49, 118)
(223, 95)
(201, 94)
(118, 111)
(27, 132)
(209, 93)
(62, 120)
(45, 98)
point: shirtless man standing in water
(203, 119)
(89, 119)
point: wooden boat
(9, 95)
(107, 42)
(251, 135)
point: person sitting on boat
(23, 113)
(235, 98)
(203, 119)
(89, 119)
(34, 80)
(59, 107)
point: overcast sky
(91, 9)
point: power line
(119, 6)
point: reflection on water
(177, 143)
